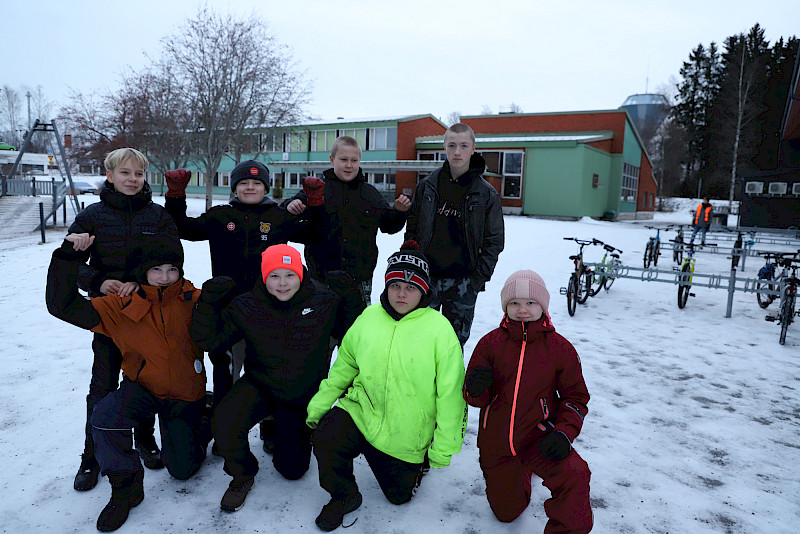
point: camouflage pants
(365, 288)
(455, 298)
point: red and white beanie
(281, 257)
(410, 266)
(526, 285)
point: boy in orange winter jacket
(162, 367)
(527, 381)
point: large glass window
(322, 140)
(298, 142)
(630, 183)
(272, 142)
(359, 134)
(507, 164)
(293, 179)
(382, 138)
(381, 180)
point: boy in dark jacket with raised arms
(345, 253)
(237, 233)
(285, 322)
(527, 381)
(162, 367)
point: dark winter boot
(149, 451)
(268, 433)
(236, 494)
(86, 478)
(332, 514)
(127, 491)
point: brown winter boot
(127, 491)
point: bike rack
(673, 276)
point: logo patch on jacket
(265, 226)
(306, 311)
(231, 226)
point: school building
(569, 165)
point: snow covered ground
(693, 425)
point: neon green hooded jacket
(403, 382)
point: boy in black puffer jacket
(285, 321)
(125, 213)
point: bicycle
(771, 277)
(601, 277)
(685, 278)
(677, 249)
(580, 281)
(653, 248)
(787, 312)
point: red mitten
(176, 182)
(314, 188)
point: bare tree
(515, 108)
(452, 118)
(10, 106)
(235, 77)
(486, 110)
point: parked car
(4, 146)
(79, 188)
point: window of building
(630, 183)
(359, 134)
(225, 178)
(293, 179)
(322, 140)
(383, 138)
(272, 142)
(298, 142)
(508, 164)
(381, 180)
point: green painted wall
(558, 181)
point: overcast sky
(383, 57)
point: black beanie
(151, 250)
(410, 266)
(250, 170)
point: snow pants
(508, 488)
(105, 379)
(456, 298)
(242, 408)
(337, 442)
(183, 440)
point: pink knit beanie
(525, 285)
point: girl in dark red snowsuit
(527, 381)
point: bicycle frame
(579, 284)
(685, 278)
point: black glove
(478, 380)
(217, 290)
(555, 446)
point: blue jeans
(699, 228)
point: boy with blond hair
(125, 212)
(345, 253)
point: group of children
(396, 393)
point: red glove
(314, 188)
(176, 182)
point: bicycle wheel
(648, 254)
(764, 300)
(584, 287)
(656, 252)
(677, 252)
(608, 281)
(787, 314)
(683, 291)
(596, 280)
(572, 294)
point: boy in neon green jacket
(400, 369)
